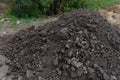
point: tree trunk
(55, 7)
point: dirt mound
(80, 45)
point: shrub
(24, 8)
(30, 8)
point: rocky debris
(3, 67)
(56, 61)
(3, 71)
(20, 78)
(113, 78)
(40, 78)
(29, 74)
(79, 45)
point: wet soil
(80, 45)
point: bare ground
(112, 14)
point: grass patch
(15, 22)
(23, 22)
(98, 4)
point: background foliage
(28, 8)
(36, 8)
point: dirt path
(112, 14)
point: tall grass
(97, 4)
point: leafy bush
(24, 8)
(33, 8)
(73, 4)
(29, 8)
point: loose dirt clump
(80, 45)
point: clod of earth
(80, 45)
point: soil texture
(80, 45)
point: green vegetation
(13, 22)
(24, 22)
(28, 11)
(24, 8)
(97, 4)
(36, 8)
(30, 8)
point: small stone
(97, 21)
(80, 71)
(77, 42)
(7, 19)
(3, 59)
(77, 39)
(106, 77)
(40, 78)
(74, 74)
(4, 32)
(44, 61)
(113, 77)
(79, 64)
(77, 53)
(59, 72)
(55, 61)
(62, 51)
(67, 46)
(69, 40)
(84, 68)
(29, 74)
(40, 62)
(102, 46)
(90, 70)
(92, 76)
(66, 66)
(94, 37)
(64, 30)
(5, 78)
(86, 33)
(76, 64)
(68, 61)
(43, 32)
(3, 71)
(85, 44)
(92, 50)
(62, 34)
(94, 42)
(65, 73)
(72, 68)
(18, 22)
(80, 32)
(0, 65)
(85, 72)
(20, 78)
(118, 57)
(70, 53)
(40, 67)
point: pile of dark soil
(80, 45)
